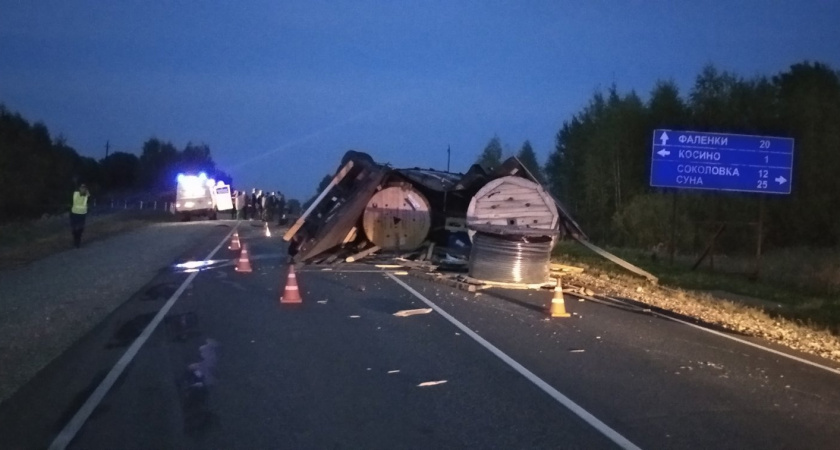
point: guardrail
(113, 205)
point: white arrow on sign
(664, 138)
(781, 180)
(663, 152)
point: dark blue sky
(279, 90)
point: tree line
(39, 171)
(600, 165)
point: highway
(341, 371)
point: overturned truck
(372, 207)
(503, 223)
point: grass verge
(24, 242)
(807, 298)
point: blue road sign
(723, 162)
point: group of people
(258, 205)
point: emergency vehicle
(199, 196)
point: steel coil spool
(510, 259)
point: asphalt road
(341, 371)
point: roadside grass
(804, 282)
(24, 242)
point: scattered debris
(355, 317)
(431, 383)
(714, 310)
(393, 371)
(323, 302)
(554, 267)
(362, 254)
(576, 350)
(412, 312)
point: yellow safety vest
(79, 203)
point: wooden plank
(430, 251)
(519, 223)
(336, 179)
(521, 204)
(541, 209)
(350, 236)
(513, 215)
(531, 197)
(507, 189)
(554, 267)
(362, 254)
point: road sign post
(722, 162)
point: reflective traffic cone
(234, 242)
(291, 294)
(243, 265)
(267, 231)
(558, 306)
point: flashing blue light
(202, 176)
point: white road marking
(751, 344)
(730, 337)
(593, 421)
(77, 422)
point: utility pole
(107, 147)
(448, 156)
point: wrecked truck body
(368, 204)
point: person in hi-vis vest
(78, 212)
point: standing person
(263, 205)
(78, 213)
(281, 210)
(270, 204)
(233, 195)
(252, 204)
(240, 205)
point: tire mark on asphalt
(77, 422)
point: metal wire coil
(510, 259)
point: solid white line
(734, 338)
(593, 421)
(72, 428)
(751, 344)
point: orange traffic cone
(558, 306)
(234, 242)
(243, 265)
(291, 294)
